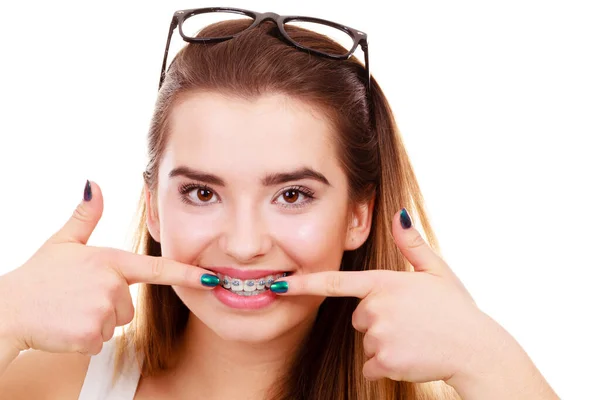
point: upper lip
(244, 273)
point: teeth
(249, 285)
(237, 285)
(247, 294)
(270, 280)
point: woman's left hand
(419, 326)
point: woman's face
(254, 187)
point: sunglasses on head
(192, 21)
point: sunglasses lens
(343, 41)
(193, 27)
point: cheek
(184, 235)
(316, 242)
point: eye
(197, 194)
(204, 194)
(291, 195)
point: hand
(70, 297)
(419, 326)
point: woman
(276, 261)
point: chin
(280, 317)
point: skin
(424, 326)
(419, 326)
(245, 224)
(38, 312)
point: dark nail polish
(209, 280)
(279, 287)
(405, 219)
(87, 192)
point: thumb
(82, 223)
(414, 247)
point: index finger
(330, 283)
(137, 268)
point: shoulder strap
(98, 380)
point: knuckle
(333, 284)
(370, 310)
(416, 242)
(108, 332)
(125, 313)
(103, 309)
(120, 289)
(399, 363)
(303, 285)
(383, 359)
(189, 275)
(157, 267)
(370, 341)
(129, 313)
(112, 286)
(95, 346)
(356, 318)
(377, 331)
(366, 313)
(85, 336)
(81, 213)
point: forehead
(268, 132)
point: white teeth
(237, 285)
(269, 280)
(249, 285)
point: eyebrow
(268, 180)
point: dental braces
(248, 286)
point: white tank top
(98, 380)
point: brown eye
(204, 194)
(291, 196)
(296, 197)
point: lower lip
(233, 300)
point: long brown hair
(371, 152)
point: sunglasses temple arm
(164, 63)
(365, 48)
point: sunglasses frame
(179, 17)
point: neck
(223, 369)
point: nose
(245, 237)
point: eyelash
(185, 189)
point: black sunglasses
(182, 18)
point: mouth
(247, 282)
(249, 287)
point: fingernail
(279, 287)
(209, 280)
(87, 192)
(405, 219)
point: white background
(498, 103)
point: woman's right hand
(70, 297)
